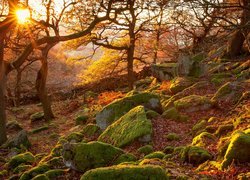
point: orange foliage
(165, 86)
(107, 97)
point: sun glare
(22, 15)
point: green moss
(37, 130)
(146, 149)
(238, 149)
(167, 156)
(52, 174)
(81, 119)
(152, 114)
(90, 130)
(203, 139)
(172, 137)
(195, 155)
(3, 173)
(129, 127)
(118, 108)
(40, 177)
(222, 147)
(198, 127)
(179, 84)
(193, 103)
(224, 129)
(56, 151)
(37, 116)
(126, 173)
(21, 168)
(168, 150)
(85, 156)
(55, 162)
(125, 158)
(172, 113)
(154, 161)
(40, 169)
(75, 137)
(25, 158)
(157, 154)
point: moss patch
(172, 113)
(157, 154)
(179, 84)
(146, 149)
(129, 127)
(203, 139)
(25, 158)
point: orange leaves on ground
(165, 86)
(109, 96)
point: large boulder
(118, 108)
(131, 172)
(193, 103)
(25, 158)
(230, 92)
(180, 83)
(86, 156)
(165, 71)
(238, 149)
(129, 127)
(21, 138)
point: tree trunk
(42, 90)
(18, 87)
(3, 134)
(130, 61)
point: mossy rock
(172, 113)
(203, 139)
(224, 129)
(238, 150)
(90, 130)
(168, 150)
(199, 127)
(54, 173)
(229, 92)
(3, 173)
(13, 125)
(195, 155)
(126, 173)
(154, 161)
(156, 154)
(146, 149)
(40, 129)
(125, 158)
(40, 169)
(152, 114)
(81, 119)
(172, 137)
(25, 158)
(128, 128)
(118, 108)
(85, 156)
(56, 162)
(40, 177)
(180, 83)
(193, 103)
(37, 116)
(21, 168)
(19, 140)
(75, 137)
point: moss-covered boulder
(40, 177)
(129, 127)
(230, 92)
(224, 129)
(91, 130)
(173, 113)
(20, 139)
(203, 139)
(13, 126)
(25, 158)
(40, 169)
(180, 83)
(146, 149)
(199, 127)
(118, 108)
(37, 116)
(193, 103)
(127, 173)
(124, 158)
(238, 149)
(156, 154)
(81, 119)
(21, 168)
(165, 71)
(195, 155)
(75, 137)
(85, 156)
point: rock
(224, 129)
(157, 154)
(146, 149)
(91, 130)
(38, 170)
(81, 119)
(238, 150)
(184, 64)
(195, 155)
(125, 172)
(203, 139)
(54, 173)
(40, 177)
(172, 113)
(165, 71)
(118, 108)
(154, 161)
(172, 137)
(37, 116)
(152, 114)
(168, 150)
(37, 130)
(180, 83)
(20, 139)
(128, 128)
(13, 126)
(75, 137)
(25, 158)
(199, 127)
(85, 156)
(125, 158)
(230, 92)
(193, 103)
(21, 168)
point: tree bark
(41, 86)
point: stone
(180, 83)
(17, 141)
(25, 158)
(118, 108)
(146, 149)
(37, 116)
(165, 71)
(156, 154)
(128, 128)
(203, 139)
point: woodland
(124, 90)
